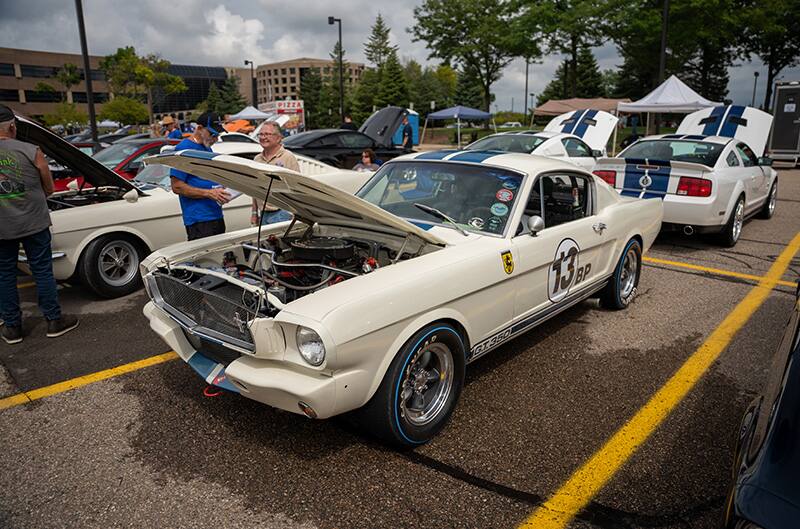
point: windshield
(477, 198)
(507, 143)
(113, 156)
(705, 153)
(153, 174)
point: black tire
(109, 265)
(772, 199)
(621, 288)
(732, 230)
(390, 415)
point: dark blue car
(765, 492)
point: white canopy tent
(249, 113)
(672, 96)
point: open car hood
(593, 126)
(382, 125)
(747, 124)
(70, 156)
(306, 197)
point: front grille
(205, 312)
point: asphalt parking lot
(146, 448)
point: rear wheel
(621, 288)
(729, 235)
(420, 388)
(769, 206)
(110, 265)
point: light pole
(525, 94)
(252, 82)
(331, 21)
(755, 84)
(526, 115)
(87, 71)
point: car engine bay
(84, 197)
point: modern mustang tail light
(694, 187)
(609, 176)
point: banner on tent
(295, 109)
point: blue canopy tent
(458, 113)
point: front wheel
(621, 288)
(420, 389)
(769, 206)
(110, 265)
(729, 235)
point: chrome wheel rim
(738, 219)
(773, 197)
(117, 263)
(627, 278)
(427, 384)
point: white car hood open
(593, 126)
(306, 197)
(747, 124)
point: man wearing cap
(201, 200)
(173, 131)
(25, 183)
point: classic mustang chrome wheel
(118, 263)
(621, 288)
(427, 384)
(630, 272)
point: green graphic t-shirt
(23, 204)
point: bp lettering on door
(566, 270)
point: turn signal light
(609, 176)
(694, 187)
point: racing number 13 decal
(565, 270)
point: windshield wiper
(438, 214)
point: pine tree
(377, 49)
(364, 95)
(469, 91)
(310, 88)
(331, 86)
(231, 100)
(590, 80)
(213, 100)
(393, 89)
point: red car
(124, 158)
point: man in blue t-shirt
(201, 200)
(173, 132)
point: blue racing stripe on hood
(474, 156)
(192, 153)
(572, 121)
(729, 127)
(421, 225)
(713, 125)
(436, 155)
(583, 126)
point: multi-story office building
(281, 80)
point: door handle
(599, 227)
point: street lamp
(331, 21)
(755, 84)
(252, 82)
(532, 94)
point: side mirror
(765, 161)
(131, 196)
(597, 153)
(535, 224)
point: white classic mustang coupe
(376, 302)
(710, 174)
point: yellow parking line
(61, 387)
(716, 271)
(590, 478)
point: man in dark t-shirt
(25, 183)
(201, 200)
(408, 135)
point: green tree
(158, 82)
(331, 86)
(66, 114)
(377, 49)
(590, 80)
(447, 78)
(566, 25)
(213, 101)
(469, 91)
(393, 87)
(231, 99)
(468, 33)
(363, 100)
(125, 110)
(310, 87)
(68, 75)
(44, 88)
(771, 33)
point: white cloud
(232, 37)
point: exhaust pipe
(688, 230)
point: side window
(327, 141)
(732, 160)
(749, 158)
(576, 148)
(355, 141)
(565, 198)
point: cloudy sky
(213, 33)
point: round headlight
(310, 346)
